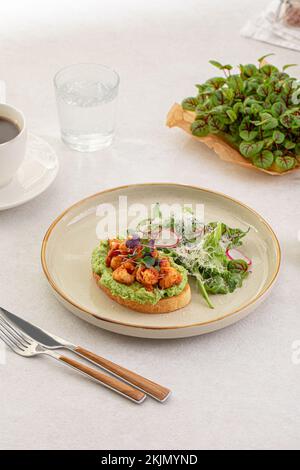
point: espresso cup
(12, 152)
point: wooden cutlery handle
(155, 390)
(111, 382)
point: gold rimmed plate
(69, 241)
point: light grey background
(237, 388)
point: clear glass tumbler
(86, 96)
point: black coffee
(8, 130)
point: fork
(25, 346)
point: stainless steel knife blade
(51, 341)
(39, 335)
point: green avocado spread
(134, 292)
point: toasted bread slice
(167, 305)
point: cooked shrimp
(171, 277)
(139, 273)
(129, 265)
(123, 248)
(111, 254)
(164, 265)
(114, 244)
(123, 276)
(116, 261)
(151, 276)
(147, 276)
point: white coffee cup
(12, 152)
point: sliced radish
(153, 233)
(199, 232)
(168, 243)
(234, 254)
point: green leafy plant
(208, 262)
(256, 110)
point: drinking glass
(86, 96)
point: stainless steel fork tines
(55, 343)
(25, 346)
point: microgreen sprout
(257, 111)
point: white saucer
(35, 175)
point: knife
(51, 341)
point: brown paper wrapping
(178, 117)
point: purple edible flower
(133, 242)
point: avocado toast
(134, 274)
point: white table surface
(237, 388)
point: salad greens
(207, 261)
(256, 111)
(205, 253)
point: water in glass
(86, 107)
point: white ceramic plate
(35, 175)
(68, 244)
